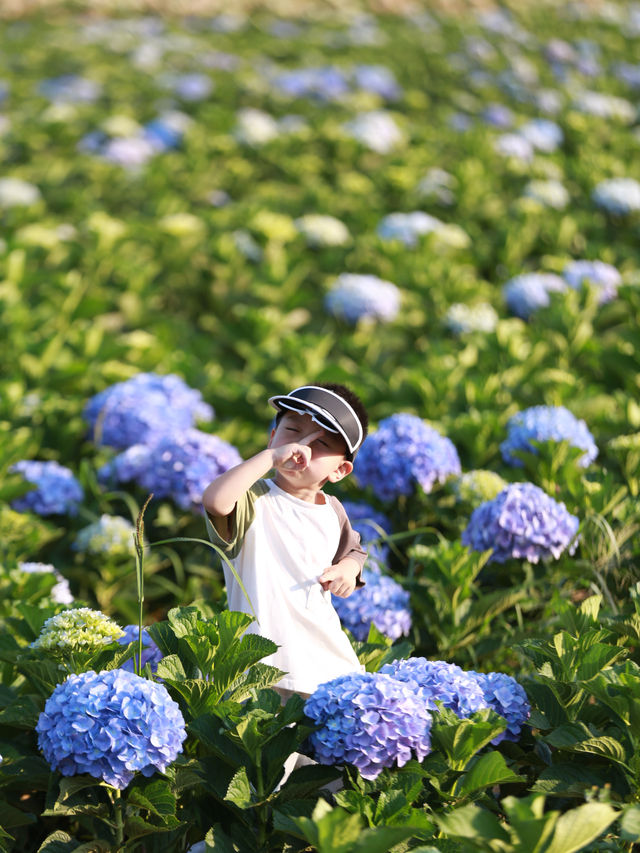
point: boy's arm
(221, 495)
(345, 574)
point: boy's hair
(349, 397)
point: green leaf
(239, 790)
(461, 739)
(596, 658)
(58, 842)
(630, 823)
(136, 826)
(381, 839)
(250, 650)
(23, 713)
(10, 816)
(471, 822)
(569, 780)
(154, 796)
(217, 841)
(580, 826)
(330, 830)
(170, 668)
(490, 769)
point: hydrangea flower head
(546, 423)
(57, 491)
(355, 297)
(549, 193)
(506, 697)
(476, 487)
(14, 192)
(439, 681)
(255, 127)
(375, 130)
(543, 134)
(110, 725)
(526, 293)
(605, 105)
(371, 525)
(81, 629)
(151, 654)
(377, 79)
(523, 523)
(324, 83)
(60, 592)
(618, 196)
(321, 230)
(462, 318)
(131, 412)
(514, 145)
(176, 465)
(382, 601)
(408, 227)
(369, 720)
(605, 276)
(111, 535)
(402, 453)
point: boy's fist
(297, 455)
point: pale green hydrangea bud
(111, 535)
(476, 487)
(82, 629)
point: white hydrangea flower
(461, 318)
(322, 230)
(82, 629)
(14, 192)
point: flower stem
(118, 803)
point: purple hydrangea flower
(369, 720)
(506, 697)
(324, 83)
(514, 145)
(402, 453)
(522, 522)
(57, 493)
(377, 79)
(526, 293)
(369, 523)
(498, 115)
(176, 465)
(110, 724)
(71, 89)
(438, 681)
(408, 227)
(543, 134)
(382, 601)
(132, 411)
(605, 276)
(546, 423)
(354, 297)
(151, 654)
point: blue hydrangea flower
(498, 115)
(605, 277)
(369, 720)
(408, 227)
(402, 453)
(526, 293)
(60, 592)
(177, 465)
(57, 491)
(382, 601)
(605, 105)
(70, 89)
(462, 318)
(324, 83)
(506, 697)
(524, 523)
(377, 79)
(618, 196)
(546, 423)
(514, 145)
(543, 134)
(355, 297)
(111, 725)
(438, 681)
(131, 412)
(371, 525)
(151, 654)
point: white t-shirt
(280, 545)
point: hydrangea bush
(111, 725)
(57, 490)
(404, 452)
(522, 522)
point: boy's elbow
(213, 505)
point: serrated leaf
(630, 823)
(22, 713)
(217, 841)
(471, 822)
(239, 790)
(381, 839)
(569, 780)
(154, 796)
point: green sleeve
(239, 520)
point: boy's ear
(343, 470)
(273, 432)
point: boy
(291, 544)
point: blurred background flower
(354, 297)
(81, 629)
(111, 535)
(57, 491)
(546, 423)
(528, 292)
(60, 592)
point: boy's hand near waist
(340, 579)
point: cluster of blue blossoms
(377, 720)
(402, 453)
(150, 418)
(176, 465)
(57, 491)
(369, 720)
(546, 423)
(131, 412)
(151, 654)
(528, 292)
(111, 725)
(382, 601)
(357, 297)
(372, 526)
(522, 522)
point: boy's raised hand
(295, 456)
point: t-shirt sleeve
(349, 544)
(238, 521)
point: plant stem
(118, 803)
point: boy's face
(328, 461)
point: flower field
(439, 211)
